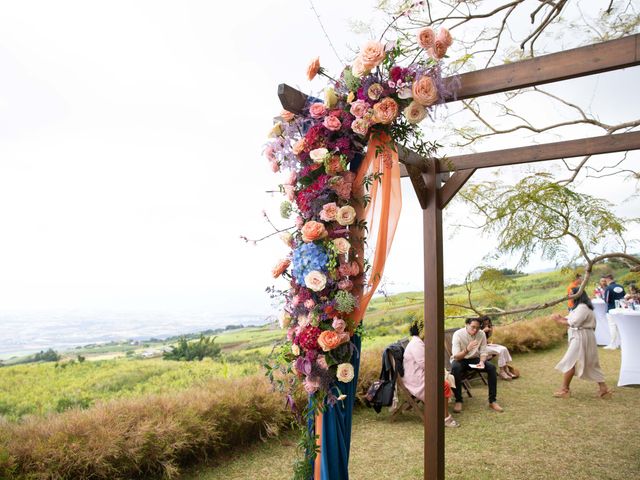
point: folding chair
(406, 401)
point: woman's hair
(584, 298)
(485, 321)
(414, 330)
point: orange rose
(298, 147)
(425, 91)
(280, 267)
(445, 37)
(426, 38)
(372, 54)
(312, 231)
(385, 111)
(313, 68)
(329, 339)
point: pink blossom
(299, 222)
(345, 284)
(317, 110)
(359, 108)
(295, 301)
(322, 362)
(290, 192)
(328, 213)
(339, 324)
(275, 168)
(309, 303)
(332, 123)
(311, 386)
(293, 176)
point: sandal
(606, 395)
(451, 422)
(505, 376)
(562, 393)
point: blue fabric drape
(336, 426)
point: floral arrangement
(320, 151)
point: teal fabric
(336, 426)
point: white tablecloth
(602, 325)
(628, 322)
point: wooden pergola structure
(436, 182)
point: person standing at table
(611, 294)
(581, 358)
(598, 292)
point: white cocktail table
(628, 322)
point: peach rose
(289, 191)
(315, 280)
(439, 49)
(318, 155)
(312, 231)
(426, 38)
(286, 115)
(345, 372)
(358, 69)
(415, 112)
(313, 68)
(445, 37)
(280, 267)
(360, 126)
(332, 123)
(346, 215)
(425, 91)
(342, 245)
(329, 211)
(329, 339)
(317, 110)
(311, 386)
(359, 108)
(372, 54)
(287, 239)
(385, 111)
(298, 147)
(334, 165)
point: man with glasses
(469, 347)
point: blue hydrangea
(308, 257)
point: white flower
(405, 92)
(295, 349)
(415, 112)
(342, 397)
(284, 319)
(318, 155)
(346, 215)
(315, 280)
(345, 372)
(342, 245)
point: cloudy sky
(130, 151)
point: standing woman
(581, 358)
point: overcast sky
(130, 151)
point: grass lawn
(538, 436)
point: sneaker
(451, 422)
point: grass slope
(538, 436)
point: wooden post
(433, 330)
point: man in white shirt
(469, 347)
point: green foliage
(195, 350)
(538, 215)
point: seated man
(469, 347)
(413, 363)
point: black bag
(381, 392)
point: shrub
(527, 335)
(150, 436)
(197, 350)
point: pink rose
(385, 111)
(275, 168)
(315, 280)
(339, 324)
(299, 222)
(311, 386)
(342, 187)
(322, 362)
(329, 211)
(317, 110)
(349, 269)
(372, 54)
(270, 153)
(425, 91)
(439, 49)
(293, 176)
(309, 303)
(426, 38)
(289, 191)
(359, 108)
(295, 301)
(332, 123)
(445, 37)
(312, 231)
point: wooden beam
(578, 62)
(434, 331)
(453, 186)
(620, 142)
(419, 185)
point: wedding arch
(436, 182)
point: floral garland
(321, 148)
